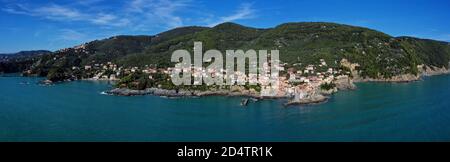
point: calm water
(78, 111)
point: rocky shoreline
(406, 78)
(344, 83)
(320, 96)
(431, 71)
(316, 99)
(178, 93)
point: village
(308, 85)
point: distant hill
(300, 44)
(22, 54)
(17, 62)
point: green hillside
(379, 54)
(20, 61)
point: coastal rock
(181, 93)
(328, 92)
(211, 93)
(404, 78)
(129, 92)
(185, 93)
(431, 71)
(313, 99)
(46, 82)
(395, 79)
(350, 66)
(344, 83)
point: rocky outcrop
(430, 71)
(180, 93)
(149, 91)
(423, 71)
(394, 79)
(46, 82)
(129, 92)
(328, 92)
(313, 99)
(350, 66)
(344, 83)
(164, 92)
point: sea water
(79, 111)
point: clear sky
(55, 24)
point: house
(322, 62)
(330, 70)
(310, 68)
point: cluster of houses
(113, 72)
(298, 83)
(306, 83)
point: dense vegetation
(300, 44)
(327, 86)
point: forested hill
(22, 55)
(17, 62)
(300, 44)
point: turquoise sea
(77, 111)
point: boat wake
(104, 93)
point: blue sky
(55, 24)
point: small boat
(244, 102)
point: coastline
(182, 93)
(83, 99)
(320, 96)
(149, 107)
(406, 78)
(312, 97)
